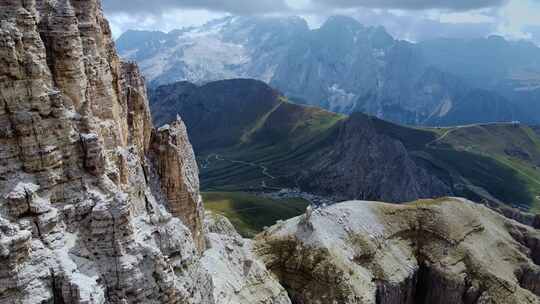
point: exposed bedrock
(98, 207)
(80, 221)
(177, 168)
(444, 251)
(95, 205)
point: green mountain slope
(501, 158)
(273, 144)
(251, 213)
(498, 162)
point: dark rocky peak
(216, 113)
(179, 89)
(380, 38)
(132, 38)
(340, 22)
(351, 34)
(241, 86)
(237, 87)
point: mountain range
(248, 136)
(346, 67)
(98, 206)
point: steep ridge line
(260, 122)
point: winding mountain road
(264, 169)
(455, 128)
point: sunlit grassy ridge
(499, 161)
(283, 142)
(503, 159)
(248, 136)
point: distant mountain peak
(344, 66)
(341, 21)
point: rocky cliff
(176, 166)
(444, 251)
(238, 275)
(362, 162)
(95, 206)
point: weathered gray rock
(79, 221)
(444, 251)
(237, 274)
(95, 210)
(179, 175)
(94, 161)
(93, 207)
(215, 223)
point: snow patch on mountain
(209, 58)
(446, 106)
(197, 54)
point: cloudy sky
(407, 19)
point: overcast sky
(406, 19)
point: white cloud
(405, 19)
(298, 4)
(480, 16)
(173, 19)
(517, 17)
(157, 7)
(455, 5)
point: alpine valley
(249, 137)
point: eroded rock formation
(364, 163)
(238, 275)
(177, 168)
(91, 211)
(445, 251)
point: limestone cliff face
(177, 168)
(445, 251)
(80, 219)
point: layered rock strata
(177, 168)
(97, 207)
(91, 209)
